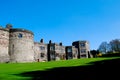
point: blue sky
(64, 20)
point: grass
(9, 71)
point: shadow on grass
(111, 55)
(100, 70)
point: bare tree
(103, 48)
(115, 45)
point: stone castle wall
(40, 52)
(60, 51)
(17, 45)
(75, 52)
(21, 47)
(4, 44)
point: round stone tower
(4, 44)
(21, 45)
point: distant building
(83, 48)
(71, 52)
(56, 51)
(40, 51)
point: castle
(17, 45)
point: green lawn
(8, 71)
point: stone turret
(21, 47)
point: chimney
(60, 43)
(9, 26)
(50, 42)
(41, 41)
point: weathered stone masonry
(4, 45)
(21, 45)
(17, 45)
(40, 51)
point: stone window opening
(51, 47)
(52, 56)
(82, 44)
(12, 49)
(42, 55)
(83, 51)
(13, 45)
(84, 56)
(20, 35)
(42, 48)
(69, 50)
